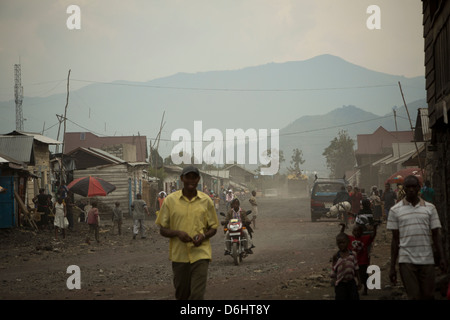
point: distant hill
(269, 96)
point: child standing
(361, 245)
(117, 218)
(345, 275)
(92, 220)
(60, 214)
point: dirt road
(290, 262)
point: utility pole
(156, 142)
(412, 129)
(18, 94)
(396, 130)
(64, 136)
(60, 119)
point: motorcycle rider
(237, 213)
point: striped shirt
(414, 224)
(345, 268)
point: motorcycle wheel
(235, 254)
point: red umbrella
(399, 176)
(90, 187)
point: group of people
(139, 210)
(411, 219)
(58, 215)
(377, 199)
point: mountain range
(312, 134)
(307, 100)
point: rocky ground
(291, 262)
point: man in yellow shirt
(189, 219)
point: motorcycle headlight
(234, 227)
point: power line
(305, 131)
(233, 89)
(281, 135)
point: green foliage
(340, 154)
(296, 161)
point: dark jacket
(341, 196)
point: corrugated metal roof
(17, 147)
(36, 136)
(99, 154)
(224, 174)
(426, 131)
(5, 159)
(134, 164)
(382, 160)
(407, 149)
(105, 154)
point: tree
(156, 168)
(268, 153)
(156, 161)
(296, 161)
(340, 154)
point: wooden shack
(130, 178)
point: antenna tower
(18, 93)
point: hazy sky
(140, 40)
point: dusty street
(290, 261)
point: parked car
(323, 193)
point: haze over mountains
(295, 97)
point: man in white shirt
(411, 221)
(138, 209)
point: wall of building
(441, 178)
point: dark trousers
(418, 280)
(346, 291)
(190, 279)
(93, 228)
(363, 275)
(70, 219)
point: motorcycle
(235, 229)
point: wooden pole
(64, 135)
(412, 129)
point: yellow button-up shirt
(194, 217)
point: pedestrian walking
(159, 201)
(189, 219)
(427, 192)
(343, 196)
(41, 202)
(254, 205)
(376, 203)
(62, 191)
(117, 218)
(356, 198)
(364, 218)
(69, 207)
(400, 192)
(93, 220)
(412, 220)
(139, 209)
(389, 198)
